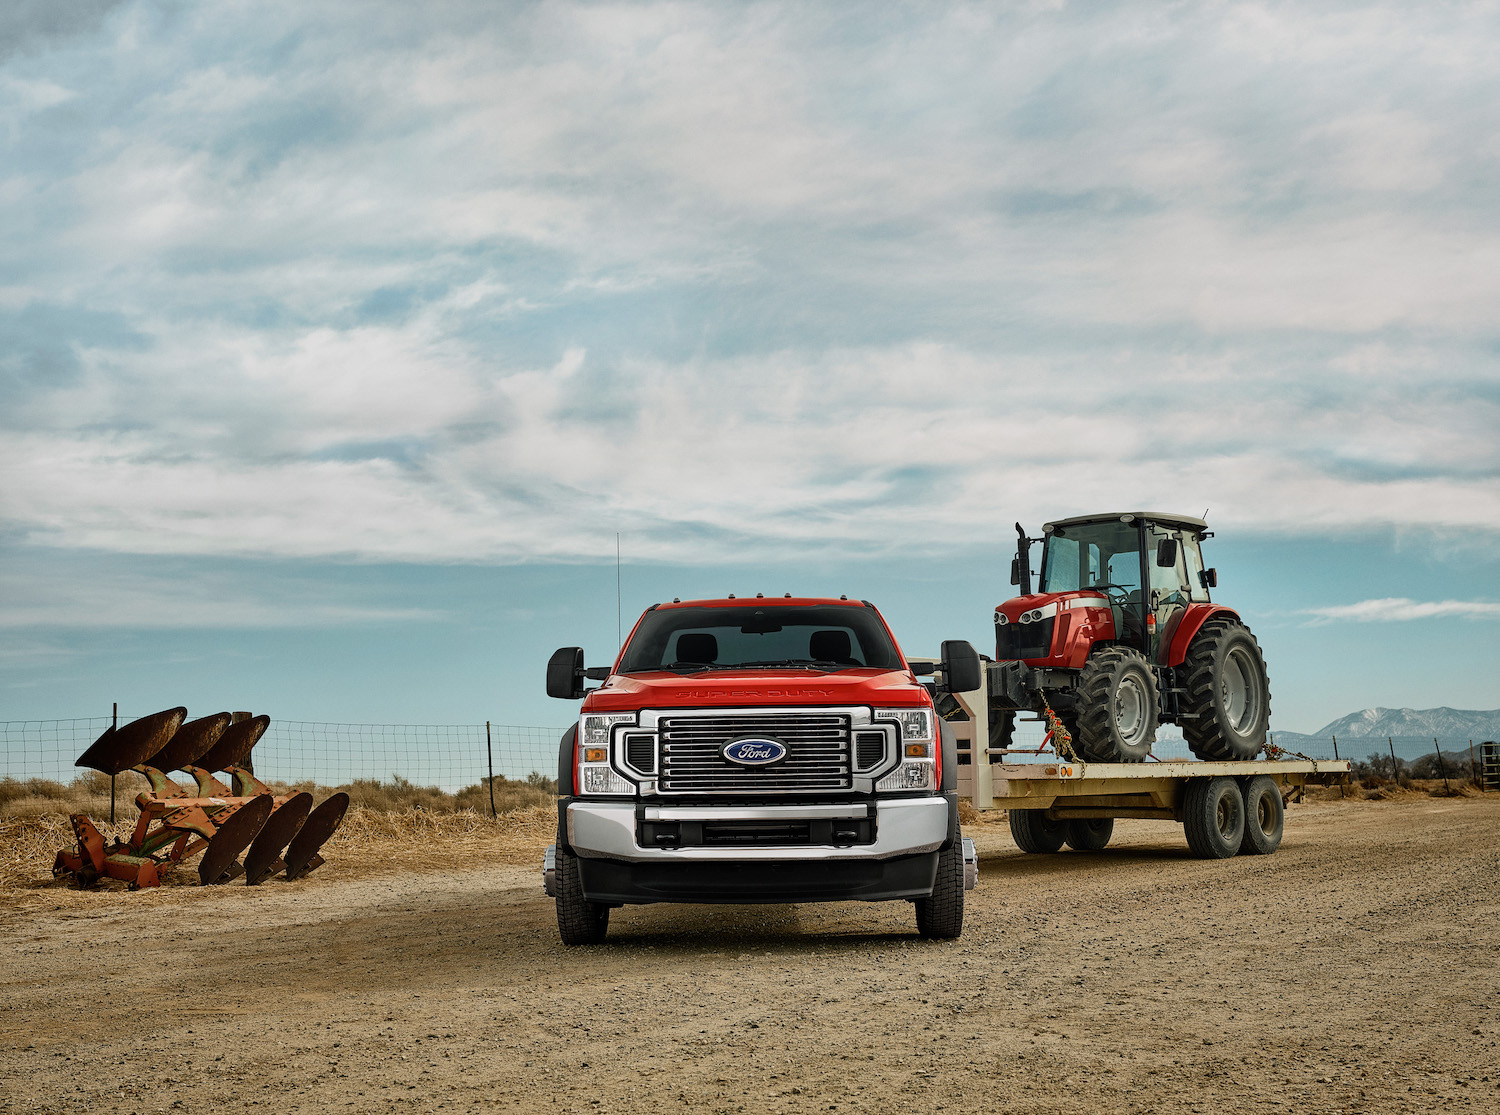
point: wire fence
(448, 756)
(453, 756)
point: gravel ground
(1356, 970)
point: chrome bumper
(904, 827)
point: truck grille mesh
(817, 758)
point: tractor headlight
(596, 775)
(917, 769)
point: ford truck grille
(817, 759)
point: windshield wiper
(799, 663)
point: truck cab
(749, 750)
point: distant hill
(1377, 723)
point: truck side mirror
(961, 670)
(1166, 553)
(565, 673)
(1210, 578)
(1015, 570)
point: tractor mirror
(1166, 553)
(1210, 578)
(565, 673)
(1015, 571)
(961, 671)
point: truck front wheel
(579, 921)
(940, 916)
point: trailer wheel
(1034, 832)
(1116, 707)
(579, 921)
(1227, 691)
(940, 916)
(1213, 816)
(1265, 817)
(1089, 836)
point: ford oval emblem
(753, 751)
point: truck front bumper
(900, 862)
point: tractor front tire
(1227, 693)
(1116, 707)
(1002, 734)
(1033, 832)
(579, 921)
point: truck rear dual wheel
(1116, 707)
(1034, 832)
(579, 921)
(940, 916)
(1227, 693)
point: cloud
(465, 284)
(1400, 609)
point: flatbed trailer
(1226, 808)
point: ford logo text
(754, 752)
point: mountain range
(1444, 723)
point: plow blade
(119, 749)
(192, 741)
(302, 855)
(234, 834)
(264, 857)
(234, 746)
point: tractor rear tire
(579, 921)
(1227, 691)
(1089, 836)
(1213, 817)
(1265, 817)
(1035, 833)
(1116, 707)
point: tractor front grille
(817, 759)
(1023, 640)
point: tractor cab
(1114, 556)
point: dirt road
(1356, 970)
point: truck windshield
(1087, 555)
(820, 637)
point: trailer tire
(1034, 832)
(579, 921)
(940, 916)
(1213, 817)
(1090, 836)
(1265, 817)
(1116, 707)
(1227, 692)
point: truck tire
(579, 921)
(1264, 817)
(1033, 832)
(940, 916)
(1116, 707)
(1213, 816)
(1226, 691)
(1089, 836)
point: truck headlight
(917, 769)
(596, 775)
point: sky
(342, 344)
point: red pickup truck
(758, 750)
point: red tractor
(1121, 636)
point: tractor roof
(1190, 521)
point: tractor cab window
(1197, 590)
(1092, 555)
(1169, 584)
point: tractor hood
(731, 688)
(1045, 605)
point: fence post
(1443, 770)
(489, 749)
(1473, 769)
(1336, 759)
(114, 724)
(1395, 767)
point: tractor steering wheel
(1105, 588)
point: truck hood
(745, 688)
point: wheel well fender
(565, 767)
(949, 743)
(1193, 619)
